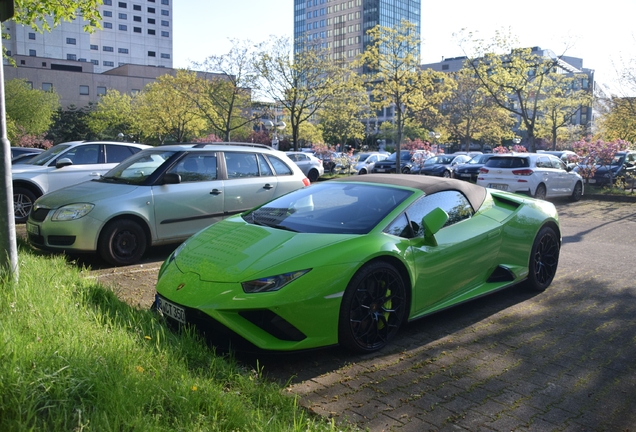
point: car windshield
(46, 156)
(138, 168)
(330, 207)
(444, 160)
(479, 159)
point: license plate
(498, 186)
(591, 180)
(33, 229)
(464, 175)
(170, 309)
(380, 170)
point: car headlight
(72, 212)
(271, 283)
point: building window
(151, 31)
(108, 14)
(165, 34)
(135, 91)
(30, 84)
(108, 25)
(123, 16)
(94, 47)
(83, 89)
(123, 27)
(445, 67)
(151, 54)
(122, 5)
(71, 57)
(95, 62)
(165, 12)
(165, 23)
(32, 36)
(8, 53)
(151, 20)
(137, 18)
(137, 7)
(165, 2)
(137, 29)
(122, 50)
(109, 63)
(151, 10)
(47, 86)
(71, 41)
(165, 56)
(32, 53)
(43, 64)
(101, 91)
(108, 49)
(108, 2)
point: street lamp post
(269, 125)
(434, 136)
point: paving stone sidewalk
(562, 360)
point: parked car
(159, 196)
(535, 174)
(441, 165)
(350, 260)
(64, 165)
(23, 154)
(366, 161)
(388, 165)
(623, 165)
(470, 170)
(309, 164)
(567, 156)
(328, 160)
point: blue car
(623, 165)
(441, 165)
(469, 171)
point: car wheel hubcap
(22, 206)
(546, 259)
(124, 244)
(376, 312)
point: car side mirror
(63, 162)
(171, 178)
(433, 222)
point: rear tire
(373, 308)
(544, 259)
(406, 170)
(577, 193)
(23, 200)
(313, 175)
(122, 242)
(540, 193)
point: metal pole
(8, 259)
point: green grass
(73, 357)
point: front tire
(540, 193)
(23, 200)
(373, 308)
(446, 174)
(577, 193)
(406, 170)
(544, 259)
(123, 242)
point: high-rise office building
(340, 25)
(135, 32)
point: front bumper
(79, 235)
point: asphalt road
(561, 360)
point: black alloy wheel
(373, 308)
(544, 259)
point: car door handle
(268, 186)
(95, 174)
(215, 192)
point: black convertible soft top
(427, 184)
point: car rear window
(508, 162)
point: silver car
(308, 163)
(63, 165)
(161, 195)
(366, 161)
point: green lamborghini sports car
(349, 261)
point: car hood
(233, 251)
(27, 168)
(89, 191)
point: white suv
(64, 165)
(537, 175)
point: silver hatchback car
(161, 195)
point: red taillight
(306, 181)
(523, 172)
(483, 171)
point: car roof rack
(203, 145)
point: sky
(601, 33)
